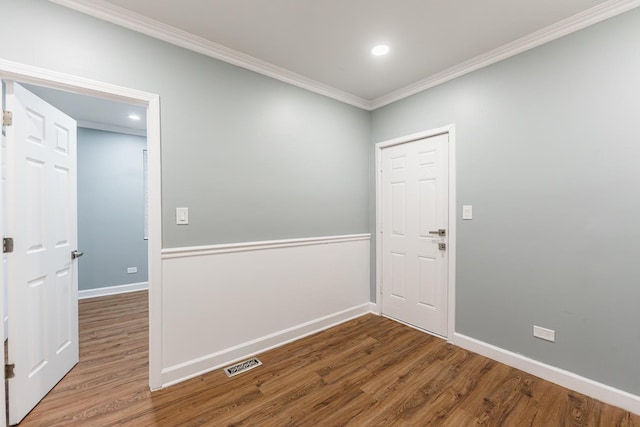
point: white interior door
(414, 208)
(42, 276)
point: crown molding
(567, 26)
(150, 27)
(142, 24)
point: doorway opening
(40, 77)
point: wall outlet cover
(544, 333)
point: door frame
(23, 73)
(451, 285)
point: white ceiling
(324, 45)
(330, 40)
(95, 113)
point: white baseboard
(211, 362)
(112, 290)
(375, 308)
(594, 389)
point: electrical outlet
(132, 270)
(544, 333)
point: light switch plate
(467, 212)
(182, 216)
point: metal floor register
(241, 367)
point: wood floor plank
(369, 371)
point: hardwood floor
(368, 372)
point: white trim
(23, 73)
(39, 76)
(154, 239)
(555, 31)
(255, 246)
(375, 308)
(111, 128)
(452, 241)
(4, 333)
(451, 291)
(413, 137)
(125, 18)
(150, 27)
(112, 290)
(597, 390)
(211, 362)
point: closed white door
(42, 276)
(415, 233)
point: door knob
(76, 254)
(439, 232)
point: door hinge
(9, 371)
(7, 118)
(7, 245)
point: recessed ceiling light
(134, 117)
(381, 49)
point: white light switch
(182, 216)
(467, 212)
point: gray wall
(548, 154)
(253, 158)
(110, 209)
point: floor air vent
(241, 367)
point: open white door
(42, 220)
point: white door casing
(3, 203)
(415, 276)
(41, 217)
(15, 71)
(3, 270)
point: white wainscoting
(223, 303)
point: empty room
(356, 213)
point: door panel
(427, 280)
(414, 206)
(42, 277)
(398, 282)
